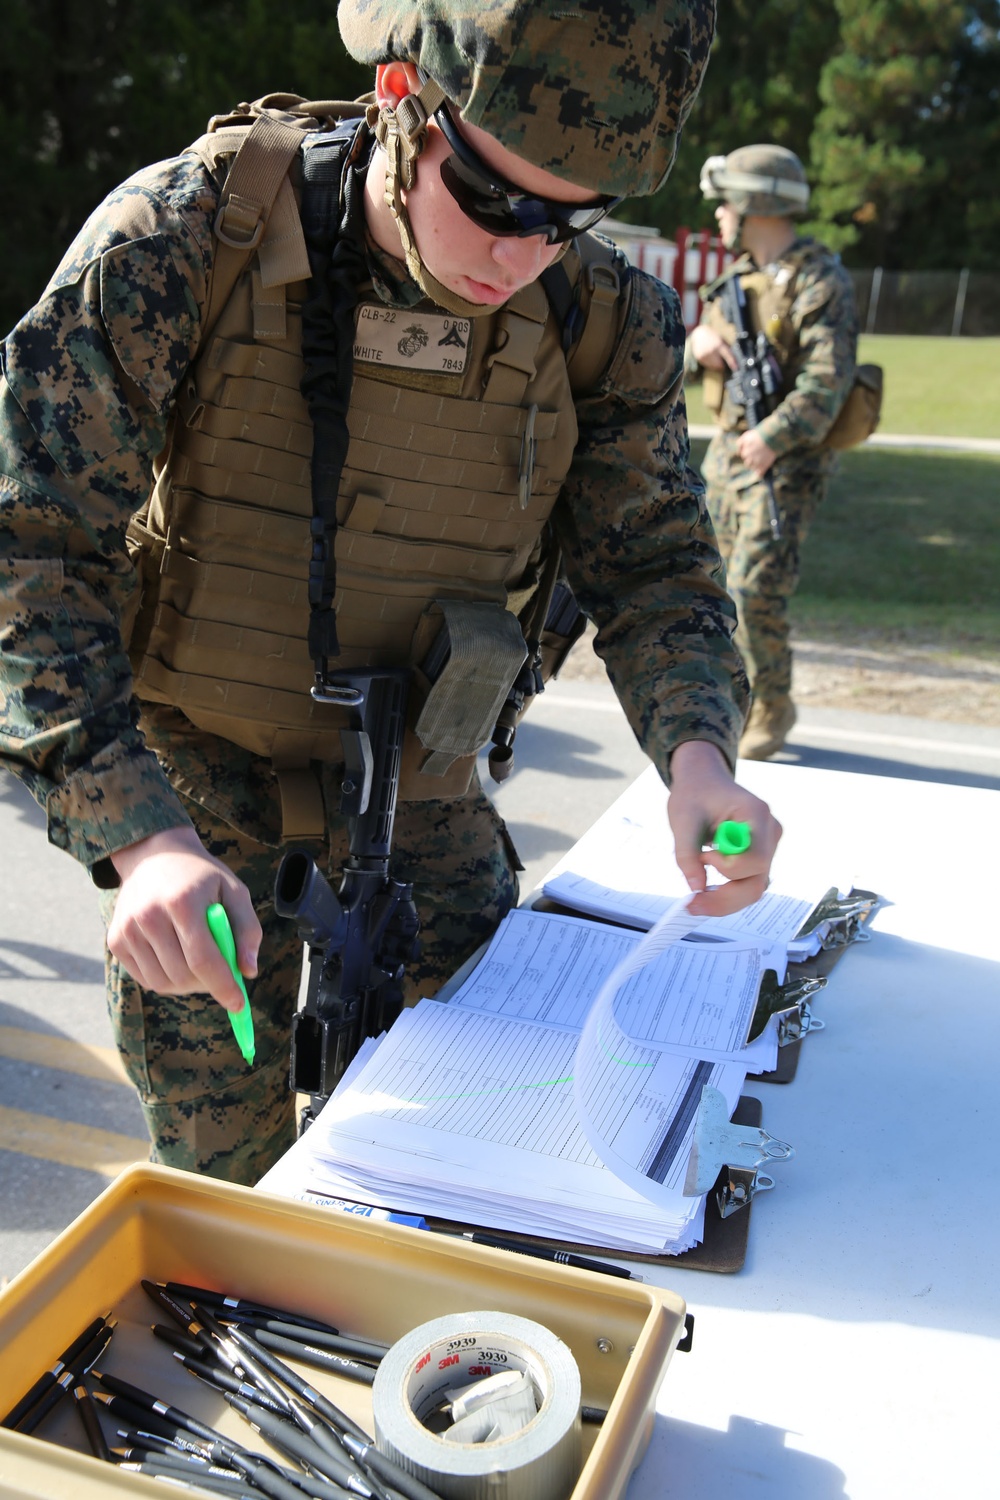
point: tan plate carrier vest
(769, 307)
(447, 486)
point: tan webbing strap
(251, 189)
(511, 365)
(270, 320)
(283, 255)
(303, 815)
(589, 359)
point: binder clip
(726, 1157)
(843, 917)
(790, 1003)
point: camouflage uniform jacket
(814, 335)
(89, 381)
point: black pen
(91, 1422)
(184, 1317)
(147, 1423)
(194, 1477)
(49, 1378)
(152, 1442)
(224, 1380)
(232, 1306)
(320, 1359)
(179, 1341)
(338, 1419)
(343, 1468)
(169, 1416)
(241, 1360)
(543, 1252)
(301, 1333)
(388, 1470)
(271, 1478)
(70, 1376)
(176, 1425)
(295, 1443)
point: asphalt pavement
(68, 1120)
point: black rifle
(756, 381)
(359, 939)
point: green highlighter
(732, 838)
(242, 1020)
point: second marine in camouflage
(168, 729)
(800, 298)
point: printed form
(471, 1109)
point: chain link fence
(946, 303)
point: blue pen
(364, 1210)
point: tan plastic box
(374, 1280)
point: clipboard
(723, 1248)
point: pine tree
(910, 119)
(761, 85)
(91, 92)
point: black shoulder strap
(333, 223)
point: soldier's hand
(710, 349)
(703, 794)
(159, 931)
(755, 453)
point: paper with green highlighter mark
(242, 1020)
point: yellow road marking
(46, 1051)
(68, 1143)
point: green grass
(938, 387)
(905, 549)
(907, 545)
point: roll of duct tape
(422, 1372)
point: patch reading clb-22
(411, 340)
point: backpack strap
(584, 292)
(257, 212)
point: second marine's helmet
(765, 180)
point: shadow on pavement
(876, 765)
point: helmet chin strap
(402, 134)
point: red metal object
(710, 258)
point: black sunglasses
(501, 207)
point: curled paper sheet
(637, 1090)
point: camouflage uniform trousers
(205, 1110)
(762, 574)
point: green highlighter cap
(732, 838)
(242, 1020)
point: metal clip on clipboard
(789, 1002)
(844, 917)
(726, 1157)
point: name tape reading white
(415, 340)
(419, 1375)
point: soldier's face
(728, 221)
(479, 266)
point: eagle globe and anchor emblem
(415, 338)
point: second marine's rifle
(360, 938)
(756, 381)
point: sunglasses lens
(502, 209)
(503, 213)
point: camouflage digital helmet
(765, 180)
(595, 92)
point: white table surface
(856, 1353)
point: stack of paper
(499, 1109)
